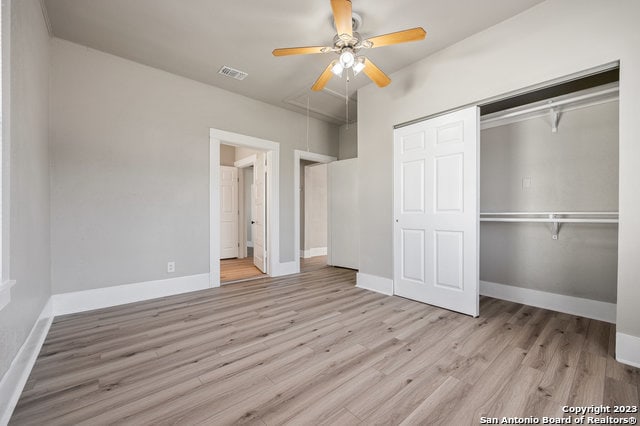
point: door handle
(253, 222)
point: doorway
(263, 157)
(242, 214)
(313, 215)
(310, 209)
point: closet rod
(548, 213)
(553, 104)
(545, 220)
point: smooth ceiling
(195, 38)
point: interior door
(259, 212)
(436, 211)
(343, 247)
(228, 212)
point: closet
(515, 199)
(549, 200)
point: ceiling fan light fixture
(358, 66)
(347, 58)
(337, 69)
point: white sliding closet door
(436, 183)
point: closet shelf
(554, 107)
(546, 220)
(555, 218)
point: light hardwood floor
(314, 349)
(234, 270)
(238, 269)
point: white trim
(217, 137)
(16, 376)
(374, 283)
(297, 156)
(245, 162)
(628, 349)
(588, 308)
(313, 252)
(5, 293)
(286, 268)
(80, 301)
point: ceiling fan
(347, 43)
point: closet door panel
(436, 211)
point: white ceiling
(195, 38)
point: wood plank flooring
(314, 349)
(235, 270)
(238, 269)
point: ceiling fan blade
(375, 74)
(342, 17)
(301, 50)
(324, 78)
(414, 34)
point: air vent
(232, 72)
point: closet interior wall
(525, 167)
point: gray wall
(29, 227)
(551, 40)
(303, 166)
(348, 139)
(575, 169)
(227, 155)
(130, 167)
(315, 213)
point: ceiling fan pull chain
(307, 123)
(346, 98)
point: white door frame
(297, 156)
(217, 137)
(242, 164)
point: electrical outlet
(171, 267)
(526, 182)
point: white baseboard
(313, 252)
(285, 268)
(628, 349)
(87, 300)
(594, 309)
(16, 376)
(374, 283)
